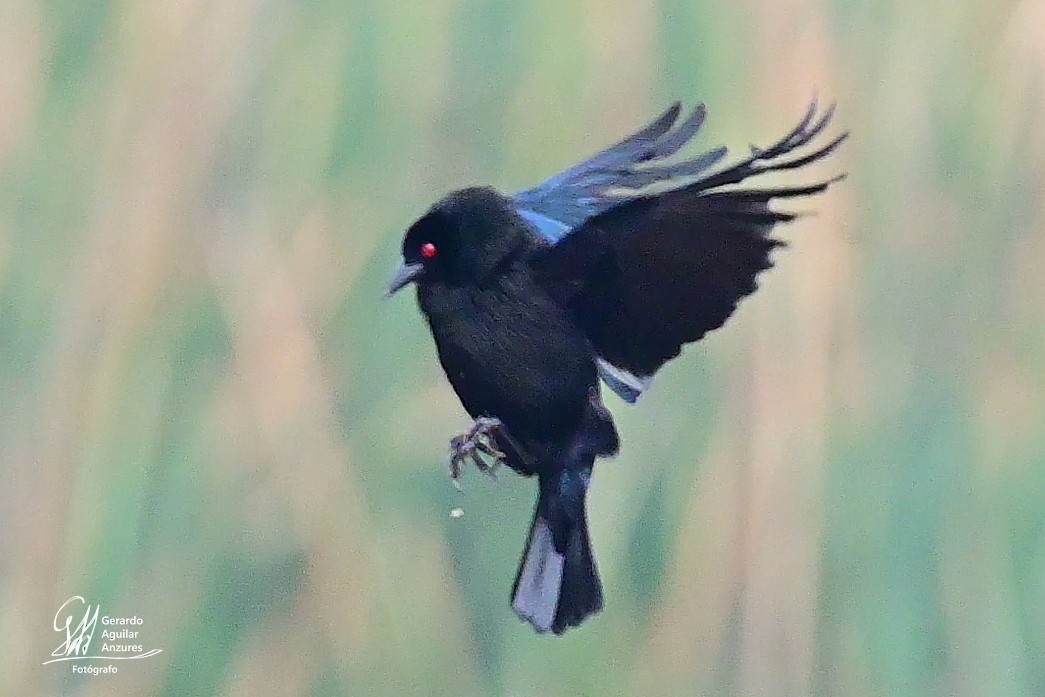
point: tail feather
(558, 583)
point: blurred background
(210, 419)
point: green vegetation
(209, 417)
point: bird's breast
(510, 352)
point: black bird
(533, 297)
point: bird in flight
(602, 272)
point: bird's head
(465, 238)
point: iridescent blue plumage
(634, 171)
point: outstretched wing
(650, 273)
(567, 199)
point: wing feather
(603, 180)
(653, 272)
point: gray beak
(404, 276)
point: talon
(458, 452)
(490, 450)
(471, 446)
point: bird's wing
(614, 175)
(653, 272)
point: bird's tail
(558, 584)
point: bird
(599, 275)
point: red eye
(428, 250)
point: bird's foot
(472, 445)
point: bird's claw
(479, 441)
